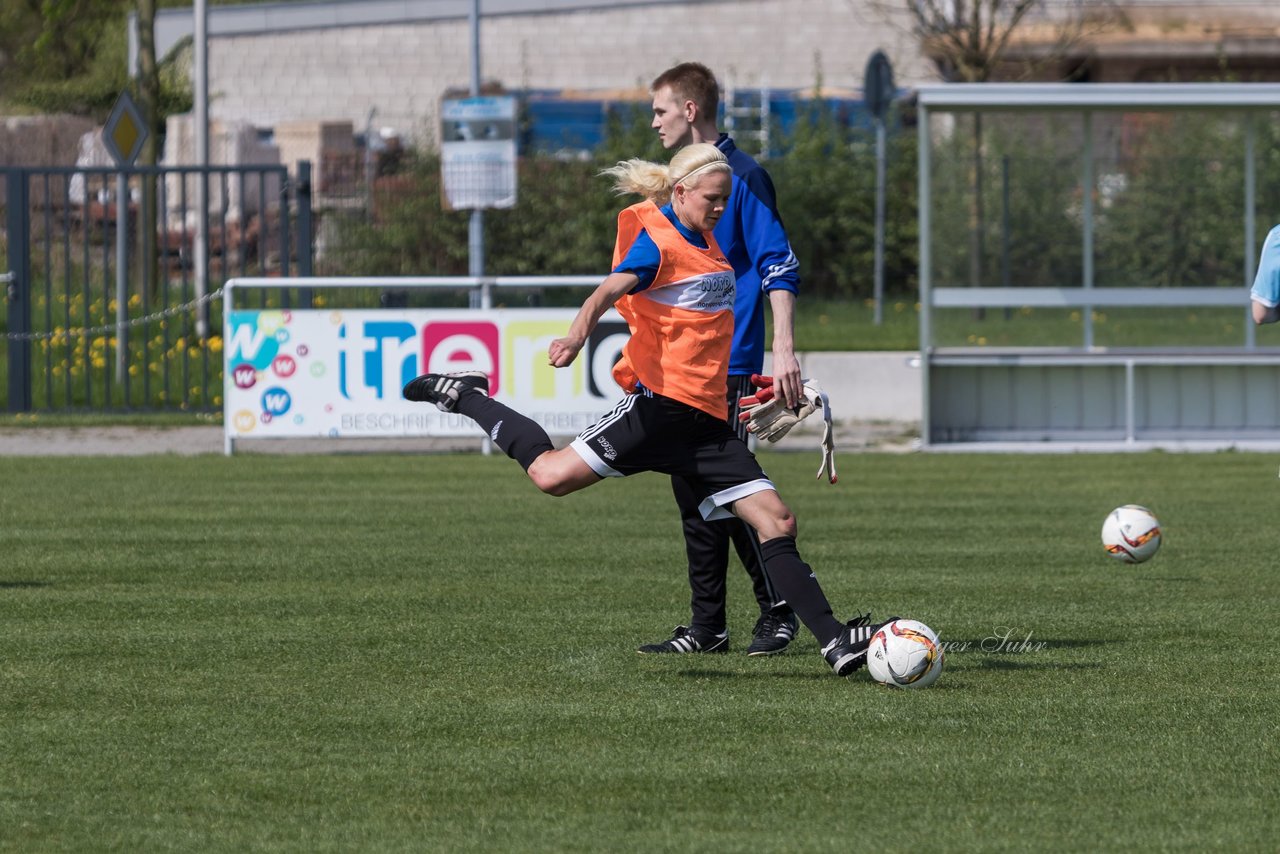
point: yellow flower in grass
(215, 343)
(135, 301)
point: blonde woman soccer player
(686, 99)
(673, 370)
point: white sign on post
(478, 152)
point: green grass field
(422, 653)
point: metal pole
(924, 165)
(368, 163)
(17, 288)
(306, 249)
(201, 73)
(1086, 187)
(1130, 404)
(228, 303)
(122, 277)
(1250, 225)
(1005, 272)
(475, 233)
(880, 190)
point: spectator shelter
(1086, 253)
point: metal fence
(112, 278)
(1103, 298)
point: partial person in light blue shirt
(1266, 284)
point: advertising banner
(331, 374)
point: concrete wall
(341, 73)
(873, 386)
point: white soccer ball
(1131, 533)
(905, 654)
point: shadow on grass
(740, 675)
(18, 585)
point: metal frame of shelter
(1095, 396)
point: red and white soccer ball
(1131, 534)
(905, 654)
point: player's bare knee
(548, 479)
(779, 525)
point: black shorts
(649, 432)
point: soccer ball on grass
(905, 654)
(1131, 533)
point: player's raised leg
(555, 472)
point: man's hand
(767, 417)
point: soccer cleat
(848, 650)
(685, 639)
(773, 632)
(444, 389)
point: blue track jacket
(754, 241)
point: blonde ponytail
(655, 181)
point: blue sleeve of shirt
(643, 260)
(764, 236)
(1266, 284)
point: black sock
(795, 582)
(519, 437)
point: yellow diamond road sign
(125, 131)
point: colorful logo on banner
(256, 353)
(341, 373)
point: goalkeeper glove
(770, 419)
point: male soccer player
(685, 101)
